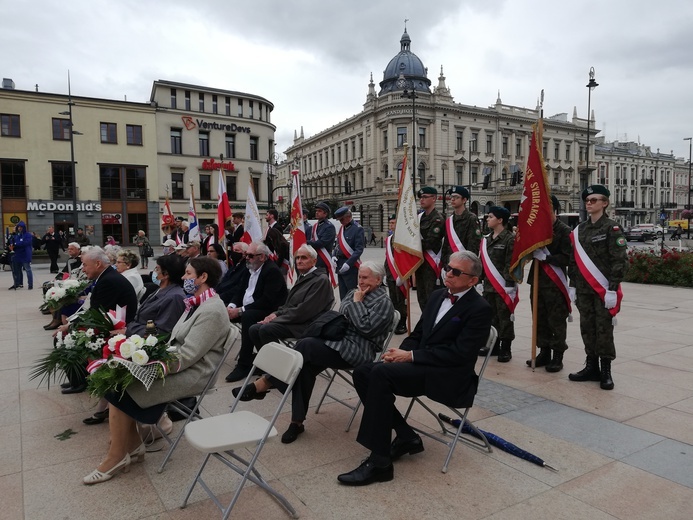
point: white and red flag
(406, 241)
(252, 228)
(193, 226)
(167, 219)
(298, 232)
(223, 208)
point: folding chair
(222, 435)
(450, 435)
(192, 414)
(343, 373)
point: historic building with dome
(357, 162)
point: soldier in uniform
(463, 223)
(602, 242)
(432, 229)
(350, 236)
(394, 283)
(322, 235)
(499, 251)
(552, 307)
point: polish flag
(223, 208)
(252, 228)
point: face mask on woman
(189, 286)
(155, 278)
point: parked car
(639, 234)
(656, 229)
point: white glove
(610, 299)
(571, 294)
(480, 288)
(540, 254)
(511, 291)
(344, 269)
(399, 282)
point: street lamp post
(271, 173)
(444, 167)
(73, 175)
(406, 84)
(586, 170)
(690, 152)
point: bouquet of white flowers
(64, 292)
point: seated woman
(199, 338)
(126, 264)
(164, 308)
(214, 250)
(370, 313)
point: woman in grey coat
(199, 337)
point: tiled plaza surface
(625, 454)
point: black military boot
(504, 354)
(556, 363)
(589, 373)
(606, 382)
(496, 347)
(543, 358)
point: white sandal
(96, 476)
(137, 455)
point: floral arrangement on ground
(126, 359)
(654, 267)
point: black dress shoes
(65, 385)
(74, 390)
(54, 324)
(401, 447)
(367, 473)
(401, 329)
(292, 433)
(97, 418)
(238, 373)
(249, 393)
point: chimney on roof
(7, 83)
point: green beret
(499, 212)
(461, 191)
(596, 189)
(555, 203)
(428, 190)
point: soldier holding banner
(348, 250)
(597, 267)
(431, 225)
(500, 290)
(553, 303)
(462, 231)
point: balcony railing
(626, 204)
(14, 191)
(63, 192)
(106, 193)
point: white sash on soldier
(497, 281)
(346, 249)
(326, 257)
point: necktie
(453, 298)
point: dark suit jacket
(449, 350)
(270, 290)
(112, 289)
(234, 281)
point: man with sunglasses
(597, 267)
(310, 296)
(437, 360)
(462, 231)
(431, 225)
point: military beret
(304, 211)
(556, 203)
(428, 190)
(323, 206)
(499, 212)
(180, 219)
(392, 217)
(341, 212)
(597, 189)
(461, 191)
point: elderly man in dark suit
(265, 290)
(310, 296)
(437, 360)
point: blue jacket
(23, 244)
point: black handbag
(148, 251)
(330, 325)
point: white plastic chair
(192, 414)
(450, 435)
(221, 436)
(346, 375)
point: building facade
(202, 131)
(357, 162)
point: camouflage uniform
(605, 244)
(500, 252)
(466, 226)
(552, 310)
(432, 231)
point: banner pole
(535, 306)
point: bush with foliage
(654, 267)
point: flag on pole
(253, 228)
(298, 233)
(406, 241)
(167, 220)
(534, 223)
(223, 208)
(193, 227)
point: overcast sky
(313, 58)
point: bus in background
(571, 219)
